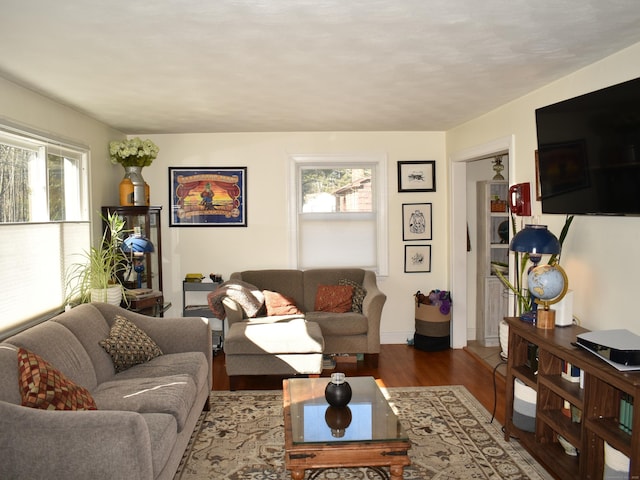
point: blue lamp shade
(535, 240)
(137, 244)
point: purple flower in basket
(445, 307)
(441, 299)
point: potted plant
(96, 278)
(523, 298)
(133, 154)
(524, 301)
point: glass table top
(367, 418)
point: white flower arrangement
(133, 152)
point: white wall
(601, 254)
(264, 243)
(22, 107)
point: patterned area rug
(242, 438)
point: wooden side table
(152, 305)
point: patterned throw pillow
(279, 304)
(333, 298)
(45, 387)
(128, 345)
(359, 292)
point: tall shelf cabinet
(148, 219)
(598, 400)
(493, 252)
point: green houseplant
(96, 278)
(523, 299)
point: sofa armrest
(372, 309)
(64, 444)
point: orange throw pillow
(279, 304)
(45, 387)
(333, 298)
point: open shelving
(598, 402)
(493, 252)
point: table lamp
(536, 240)
(137, 246)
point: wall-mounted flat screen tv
(589, 152)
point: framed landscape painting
(208, 196)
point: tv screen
(589, 152)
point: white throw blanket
(248, 296)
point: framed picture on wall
(417, 258)
(417, 176)
(207, 196)
(416, 221)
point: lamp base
(546, 319)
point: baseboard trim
(396, 337)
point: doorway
(459, 163)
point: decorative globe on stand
(548, 284)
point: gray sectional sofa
(294, 344)
(145, 414)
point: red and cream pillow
(45, 387)
(334, 298)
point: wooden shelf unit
(491, 300)
(599, 402)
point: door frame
(458, 226)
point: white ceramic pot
(112, 295)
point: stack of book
(139, 293)
(626, 412)
(572, 373)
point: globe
(547, 283)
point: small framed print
(417, 258)
(416, 221)
(208, 196)
(417, 176)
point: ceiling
(175, 66)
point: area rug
(452, 437)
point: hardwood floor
(403, 366)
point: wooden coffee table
(318, 437)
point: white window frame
(33, 281)
(377, 162)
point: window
(339, 210)
(44, 221)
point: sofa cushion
(163, 433)
(279, 304)
(349, 323)
(45, 387)
(193, 364)
(287, 282)
(172, 394)
(358, 294)
(61, 348)
(333, 298)
(89, 326)
(294, 336)
(128, 345)
(326, 276)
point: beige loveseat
(145, 414)
(294, 344)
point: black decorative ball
(337, 392)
